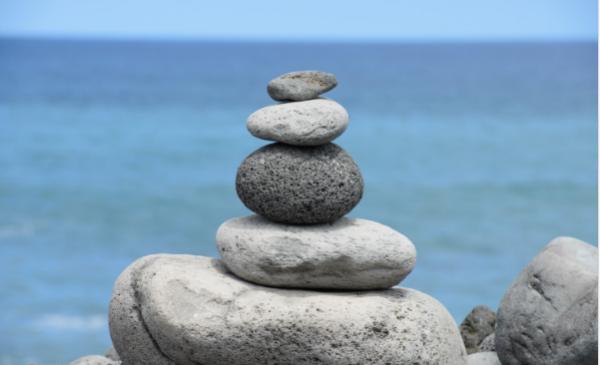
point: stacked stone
(301, 187)
(298, 283)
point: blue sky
(303, 20)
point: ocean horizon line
(266, 40)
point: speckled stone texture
(476, 326)
(300, 185)
(301, 85)
(350, 254)
(193, 311)
(488, 344)
(485, 358)
(304, 123)
(550, 313)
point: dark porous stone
(301, 85)
(300, 185)
(476, 326)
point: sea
(480, 153)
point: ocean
(480, 153)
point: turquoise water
(480, 153)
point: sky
(303, 20)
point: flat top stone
(303, 123)
(196, 312)
(301, 85)
(350, 254)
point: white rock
(350, 254)
(303, 123)
(550, 313)
(484, 358)
(195, 312)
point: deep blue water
(480, 153)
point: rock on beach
(349, 254)
(476, 326)
(299, 185)
(550, 313)
(301, 85)
(181, 309)
(303, 123)
(488, 344)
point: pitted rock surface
(194, 312)
(300, 185)
(488, 344)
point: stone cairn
(298, 283)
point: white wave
(73, 323)
(25, 229)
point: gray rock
(476, 326)
(94, 360)
(550, 313)
(128, 330)
(484, 358)
(195, 312)
(304, 123)
(488, 344)
(350, 254)
(299, 185)
(301, 85)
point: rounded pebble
(304, 123)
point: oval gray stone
(304, 123)
(301, 85)
(299, 185)
(350, 254)
(550, 313)
(484, 358)
(195, 312)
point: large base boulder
(188, 310)
(550, 313)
